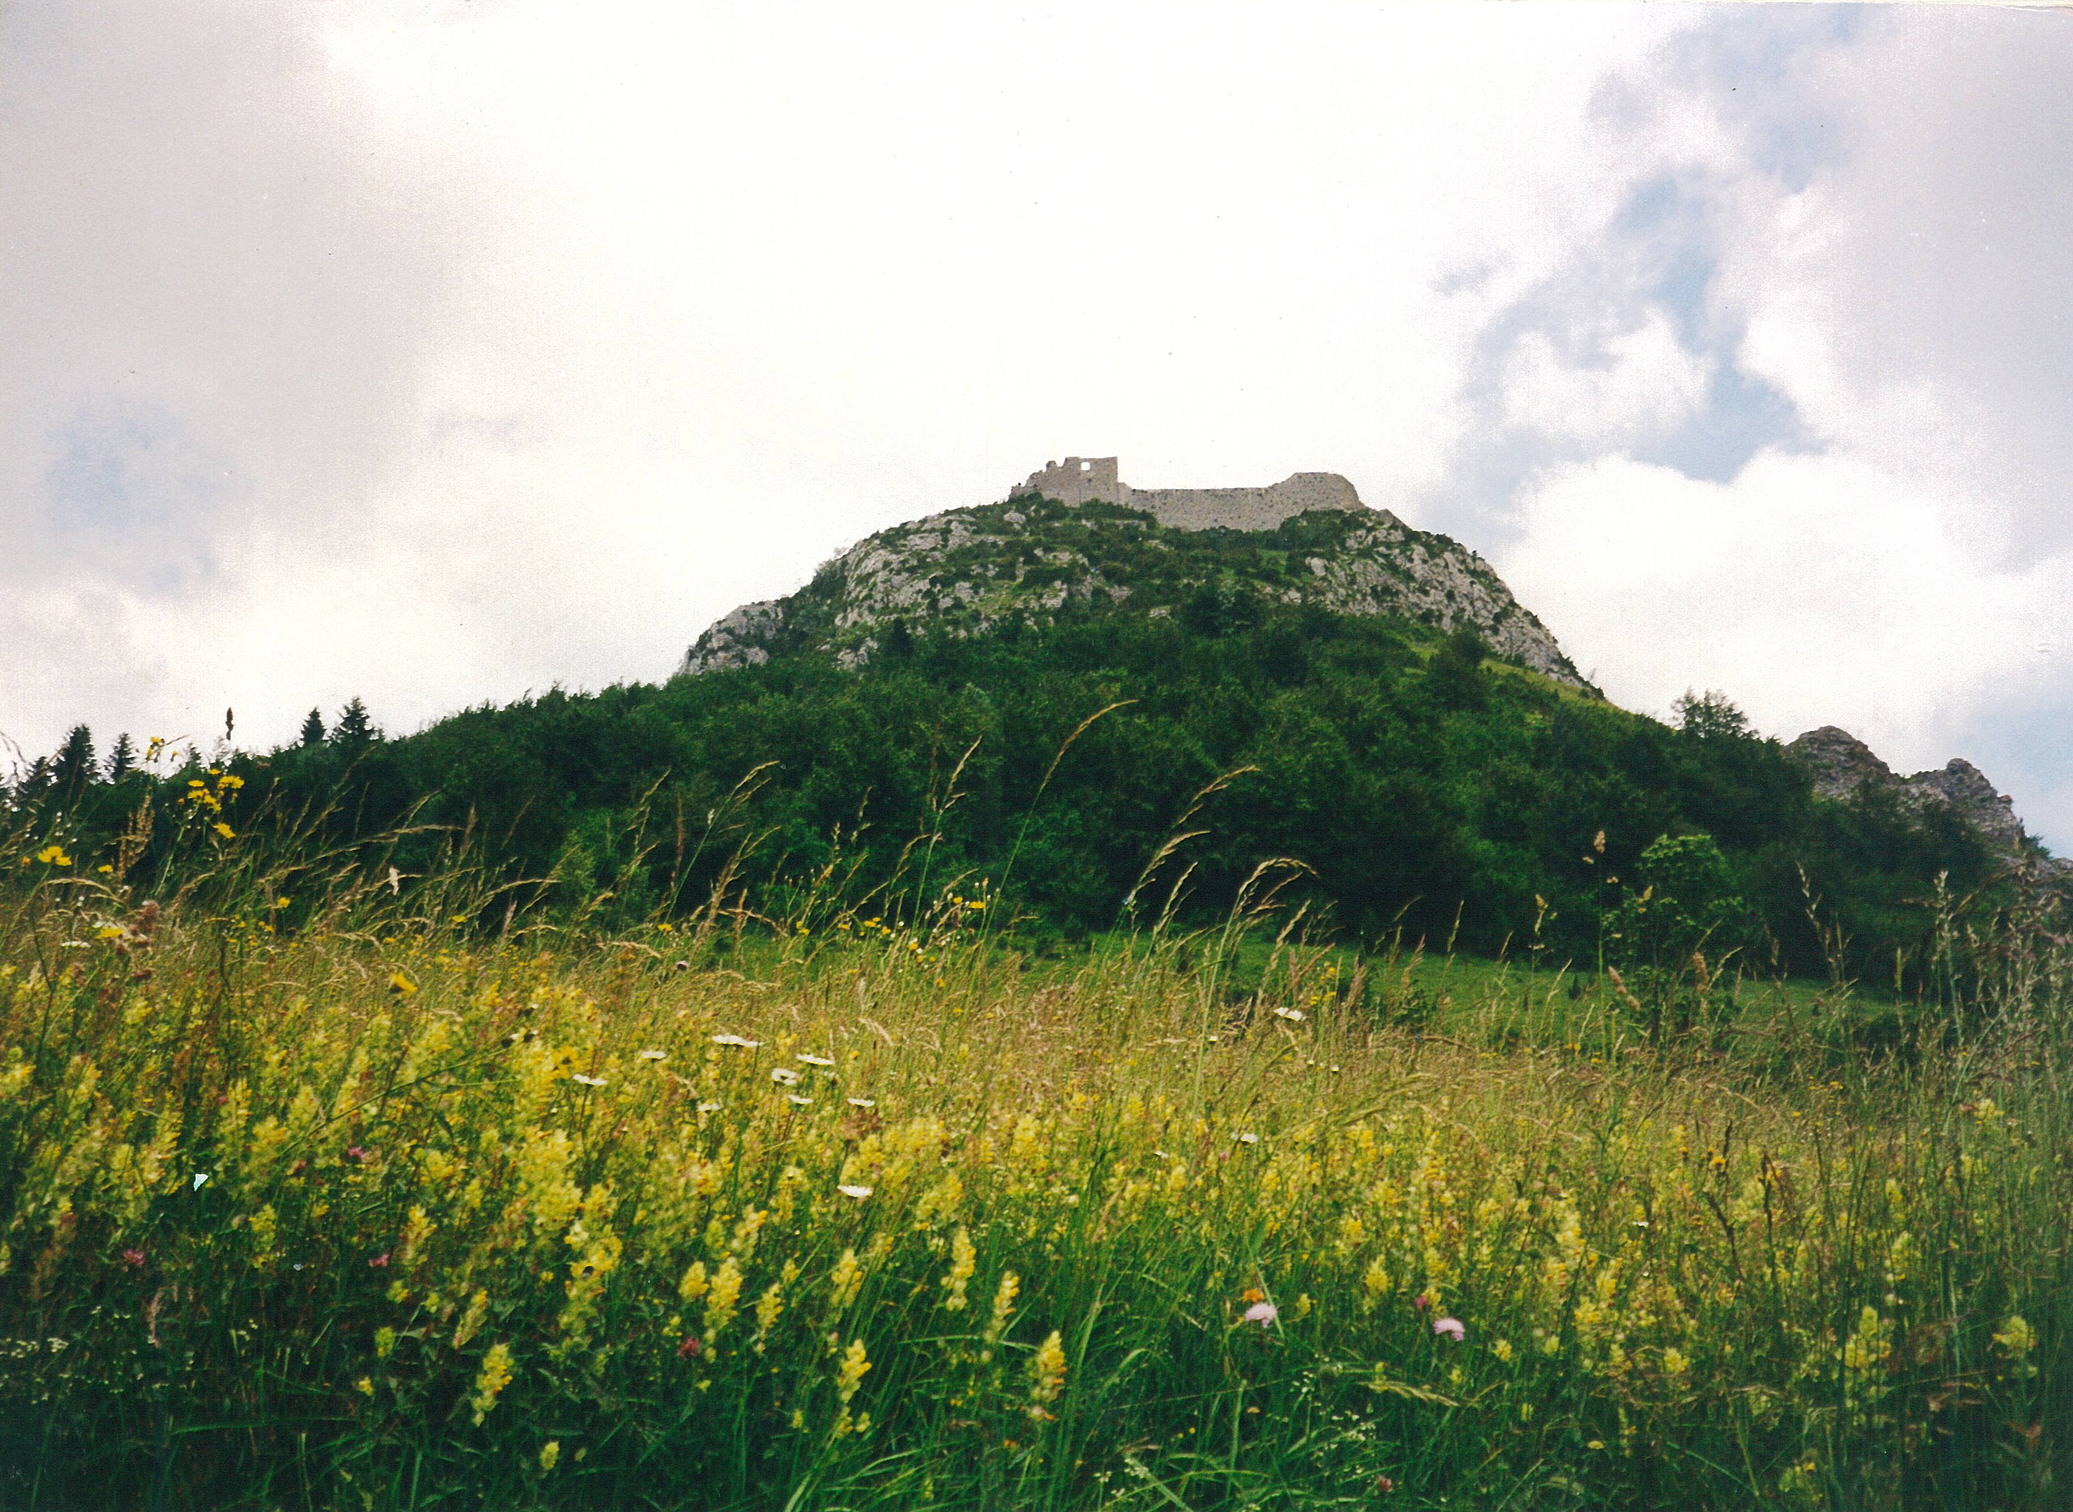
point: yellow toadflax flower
(695, 1283)
(471, 1321)
(495, 1376)
(1047, 1370)
(845, 1281)
(2015, 1337)
(963, 1260)
(768, 1306)
(851, 1374)
(724, 1299)
(550, 1454)
(1003, 1304)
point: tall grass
(394, 1209)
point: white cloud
(1639, 381)
(1811, 589)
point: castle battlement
(1097, 480)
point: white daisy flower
(784, 1076)
(859, 1193)
(654, 1055)
(587, 1081)
(1293, 1015)
(1248, 1139)
(794, 1097)
(862, 1102)
(737, 1040)
(813, 1060)
(709, 1107)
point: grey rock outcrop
(739, 638)
(1843, 767)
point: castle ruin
(1096, 480)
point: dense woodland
(1432, 793)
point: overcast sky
(435, 353)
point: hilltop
(1075, 540)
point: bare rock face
(1075, 538)
(1844, 766)
(1840, 763)
(739, 638)
(1972, 797)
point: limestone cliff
(1308, 541)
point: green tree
(1455, 673)
(75, 766)
(313, 728)
(1711, 716)
(354, 728)
(123, 759)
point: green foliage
(1689, 902)
(1430, 788)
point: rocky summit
(1074, 539)
(1844, 767)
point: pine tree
(353, 728)
(313, 729)
(123, 759)
(74, 766)
(38, 781)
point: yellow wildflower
(1047, 1370)
(1003, 1304)
(845, 1281)
(724, 1299)
(495, 1376)
(963, 1260)
(2015, 1337)
(851, 1374)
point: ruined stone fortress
(1091, 480)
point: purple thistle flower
(1453, 1328)
(1261, 1313)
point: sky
(439, 353)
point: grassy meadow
(392, 1209)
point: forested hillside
(1428, 788)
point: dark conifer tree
(37, 783)
(354, 727)
(75, 766)
(313, 729)
(123, 759)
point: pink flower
(1453, 1328)
(133, 1256)
(1420, 1302)
(1261, 1313)
(379, 1261)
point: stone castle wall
(1078, 480)
(1085, 480)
